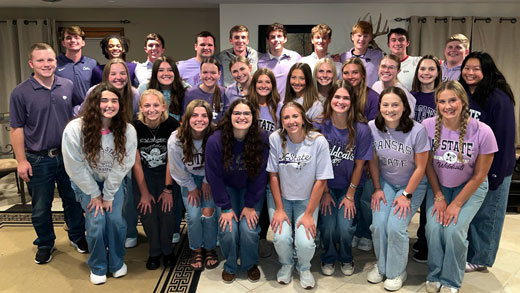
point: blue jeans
(337, 229)
(284, 243)
(47, 171)
(448, 246)
(105, 233)
(129, 207)
(241, 237)
(364, 212)
(202, 230)
(389, 233)
(486, 228)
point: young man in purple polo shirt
(190, 69)
(239, 39)
(40, 107)
(398, 42)
(278, 59)
(457, 48)
(361, 35)
(321, 38)
(154, 48)
(72, 64)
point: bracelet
(349, 198)
(226, 210)
(167, 191)
(438, 198)
(352, 186)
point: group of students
(332, 154)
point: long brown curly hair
(126, 92)
(254, 145)
(185, 135)
(91, 127)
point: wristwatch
(407, 195)
(169, 187)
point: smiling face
(397, 44)
(427, 72)
(109, 104)
(152, 109)
(263, 86)
(292, 121)
(352, 74)
(324, 74)
(241, 117)
(72, 42)
(118, 76)
(153, 49)
(43, 63)
(449, 105)
(388, 71)
(199, 121)
(472, 73)
(320, 42)
(165, 74)
(241, 72)
(340, 102)
(361, 41)
(391, 109)
(209, 74)
(276, 41)
(115, 49)
(205, 47)
(297, 81)
(239, 42)
(455, 53)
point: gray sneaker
(306, 279)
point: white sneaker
(364, 244)
(130, 242)
(176, 238)
(121, 272)
(96, 279)
(433, 287)
(284, 274)
(395, 283)
(355, 241)
(327, 269)
(447, 289)
(347, 268)
(306, 279)
(374, 276)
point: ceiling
(198, 3)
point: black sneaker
(416, 246)
(421, 256)
(80, 245)
(153, 262)
(43, 255)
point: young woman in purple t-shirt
(350, 145)
(400, 154)
(462, 152)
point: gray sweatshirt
(108, 170)
(181, 172)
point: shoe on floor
(327, 269)
(284, 274)
(227, 277)
(253, 274)
(153, 262)
(421, 256)
(306, 279)
(374, 276)
(433, 287)
(176, 238)
(130, 242)
(474, 267)
(96, 279)
(418, 246)
(121, 272)
(395, 283)
(355, 241)
(364, 244)
(80, 245)
(168, 260)
(43, 255)
(446, 289)
(265, 249)
(347, 268)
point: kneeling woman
(236, 158)
(458, 176)
(299, 166)
(97, 156)
(401, 148)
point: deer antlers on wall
(377, 31)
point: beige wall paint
(177, 26)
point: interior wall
(177, 26)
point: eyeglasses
(245, 113)
(390, 67)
